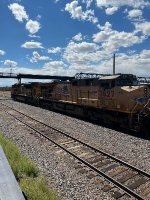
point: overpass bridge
(32, 76)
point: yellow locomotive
(115, 98)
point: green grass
(26, 172)
(20, 165)
(31, 187)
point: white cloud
(112, 40)
(21, 15)
(111, 11)
(2, 52)
(83, 47)
(27, 70)
(96, 57)
(36, 57)
(88, 2)
(18, 11)
(143, 27)
(33, 36)
(10, 63)
(54, 64)
(78, 37)
(135, 13)
(74, 9)
(145, 54)
(73, 69)
(54, 50)
(119, 3)
(81, 53)
(38, 17)
(77, 13)
(135, 63)
(32, 45)
(33, 26)
(55, 67)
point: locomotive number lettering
(106, 93)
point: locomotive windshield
(118, 80)
(126, 82)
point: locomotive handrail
(144, 79)
(131, 114)
(145, 106)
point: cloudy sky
(63, 37)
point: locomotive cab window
(107, 84)
(113, 83)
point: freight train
(114, 99)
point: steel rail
(124, 188)
(87, 145)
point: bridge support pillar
(19, 80)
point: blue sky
(60, 37)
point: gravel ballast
(56, 165)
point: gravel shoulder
(56, 166)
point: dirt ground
(5, 94)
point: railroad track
(124, 180)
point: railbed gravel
(57, 167)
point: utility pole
(10, 69)
(114, 64)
